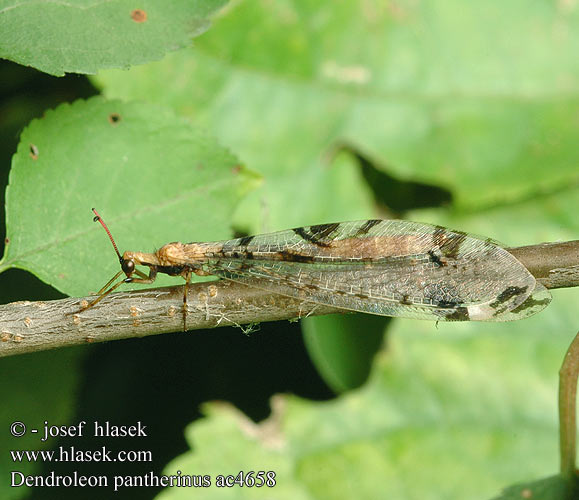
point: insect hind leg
(186, 286)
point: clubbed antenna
(98, 218)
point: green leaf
(85, 36)
(241, 441)
(343, 347)
(451, 412)
(478, 97)
(550, 488)
(153, 178)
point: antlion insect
(384, 267)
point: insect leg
(104, 291)
(143, 277)
(187, 281)
(110, 282)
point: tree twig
(35, 326)
(555, 265)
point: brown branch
(555, 265)
(35, 326)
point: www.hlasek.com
(72, 454)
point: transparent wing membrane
(391, 268)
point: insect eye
(128, 266)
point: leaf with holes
(153, 177)
(85, 36)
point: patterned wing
(391, 268)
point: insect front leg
(143, 278)
(104, 291)
(109, 283)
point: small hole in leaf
(33, 152)
(139, 16)
(114, 118)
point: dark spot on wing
(452, 249)
(460, 314)
(507, 294)
(530, 302)
(316, 234)
(364, 228)
(406, 300)
(290, 256)
(435, 259)
(449, 242)
(324, 230)
(362, 296)
(447, 304)
(243, 266)
(246, 240)
(438, 236)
